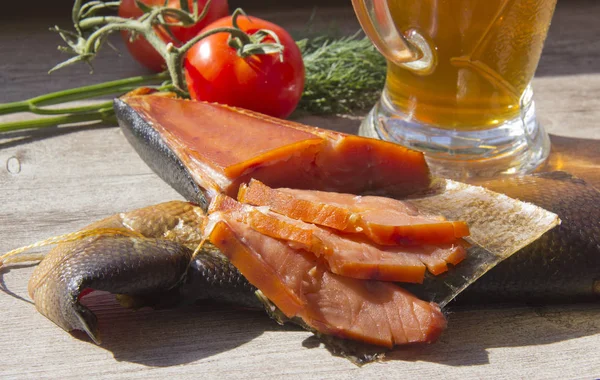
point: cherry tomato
(263, 83)
(143, 52)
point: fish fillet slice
(369, 311)
(344, 255)
(385, 221)
(276, 277)
(279, 153)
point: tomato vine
(342, 74)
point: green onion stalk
(99, 111)
(343, 75)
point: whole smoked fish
(207, 151)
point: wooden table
(57, 180)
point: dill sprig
(343, 75)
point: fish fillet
(383, 220)
(300, 286)
(345, 255)
(277, 152)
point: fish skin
(563, 265)
(143, 256)
(211, 276)
(147, 143)
(117, 264)
(541, 272)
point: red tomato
(216, 73)
(143, 52)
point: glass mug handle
(409, 50)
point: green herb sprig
(344, 75)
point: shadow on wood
(473, 334)
(161, 338)
(4, 289)
(16, 138)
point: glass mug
(458, 81)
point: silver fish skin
(563, 266)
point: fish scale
(564, 264)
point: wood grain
(58, 180)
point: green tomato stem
(95, 21)
(92, 7)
